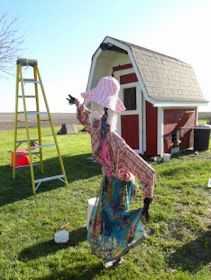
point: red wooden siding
(151, 129)
(179, 119)
(130, 130)
(122, 67)
(128, 78)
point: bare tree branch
(10, 45)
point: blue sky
(63, 35)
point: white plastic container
(91, 204)
(166, 157)
(209, 183)
(61, 236)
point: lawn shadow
(77, 167)
(80, 271)
(193, 255)
(192, 154)
(50, 247)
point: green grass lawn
(178, 245)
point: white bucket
(91, 204)
(166, 157)
(61, 236)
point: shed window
(129, 97)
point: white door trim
(138, 112)
(160, 132)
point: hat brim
(90, 96)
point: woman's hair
(97, 111)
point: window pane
(129, 95)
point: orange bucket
(21, 158)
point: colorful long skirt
(113, 230)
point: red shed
(161, 95)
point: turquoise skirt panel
(113, 229)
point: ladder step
(23, 122)
(49, 179)
(24, 166)
(33, 113)
(31, 81)
(42, 146)
(37, 113)
(25, 140)
(26, 154)
(29, 126)
(27, 96)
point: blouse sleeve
(83, 116)
(142, 170)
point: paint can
(166, 157)
(92, 202)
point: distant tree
(10, 43)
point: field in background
(7, 119)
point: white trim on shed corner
(144, 134)
(160, 132)
(197, 115)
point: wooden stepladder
(34, 144)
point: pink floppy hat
(106, 94)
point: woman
(113, 230)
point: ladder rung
(42, 146)
(48, 179)
(31, 81)
(37, 113)
(33, 113)
(26, 154)
(19, 121)
(29, 126)
(27, 96)
(28, 165)
(25, 140)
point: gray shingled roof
(165, 78)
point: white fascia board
(132, 59)
(178, 103)
(92, 68)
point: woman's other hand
(72, 100)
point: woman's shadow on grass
(79, 271)
(193, 255)
(50, 247)
(77, 167)
(82, 270)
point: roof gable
(165, 78)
